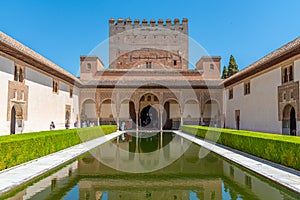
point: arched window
(291, 73)
(285, 76)
(16, 76)
(89, 67)
(21, 75)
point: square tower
(148, 45)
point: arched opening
(171, 115)
(127, 115)
(13, 121)
(211, 114)
(293, 125)
(289, 126)
(108, 112)
(149, 117)
(191, 112)
(67, 120)
(149, 112)
(88, 114)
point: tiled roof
(5, 39)
(290, 49)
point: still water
(152, 166)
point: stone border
(21, 174)
(279, 174)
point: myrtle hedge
(20, 148)
(277, 148)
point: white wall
(259, 109)
(6, 74)
(45, 106)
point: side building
(265, 95)
(34, 91)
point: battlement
(119, 25)
(139, 23)
(127, 35)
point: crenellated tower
(147, 44)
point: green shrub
(277, 148)
(20, 148)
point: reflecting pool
(152, 166)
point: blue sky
(63, 30)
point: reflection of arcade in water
(206, 178)
(147, 152)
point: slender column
(118, 121)
(181, 119)
(161, 118)
(201, 119)
(137, 121)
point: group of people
(67, 125)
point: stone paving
(284, 176)
(18, 175)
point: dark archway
(293, 126)
(289, 123)
(149, 117)
(13, 121)
(67, 120)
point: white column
(118, 121)
(201, 119)
(161, 123)
(137, 121)
(181, 119)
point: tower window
(175, 62)
(287, 74)
(71, 92)
(55, 86)
(212, 66)
(19, 74)
(230, 94)
(247, 88)
(89, 67)
(148, 65)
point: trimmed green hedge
(20, 148)
(277, 148)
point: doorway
(293, 125)
(149, 117)
(13, 121)
(289, 122)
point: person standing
(52, 126)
